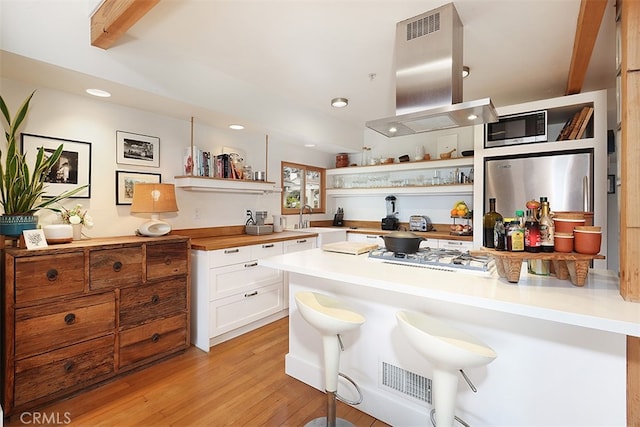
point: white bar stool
(449, 350)
(331, 318)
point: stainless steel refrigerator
(564, 177)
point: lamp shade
(154, 198)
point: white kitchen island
(561, 348)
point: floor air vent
(406, 382)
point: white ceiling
(274, 65)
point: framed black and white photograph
(126, 180)
(138, 150)
(72, 170)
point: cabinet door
(55, 371)
(48, 326)
(142, 304)
(42, 277)
(115, 268)
(241, 309)
(228, 256)
(299, 244)
(266, 250)
(153, 339)
(369, 238)
(233, 279)
(167, 259)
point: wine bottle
(546, 226)
(489, 223)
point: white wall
(373, 208)
(82, 118)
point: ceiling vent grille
(423, 26)
(405, 382)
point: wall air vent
(405, 382)
(423, 26)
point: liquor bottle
(531, 233)
(489, 223)
(546, 226)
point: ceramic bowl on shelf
(563, 242)
(566, 225)
(587, 241)
(58, 233)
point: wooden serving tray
(571, 265)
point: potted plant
(22, 187)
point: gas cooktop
(437, 259)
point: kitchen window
(302, 185)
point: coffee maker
(390, 222)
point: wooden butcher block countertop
(213, 242)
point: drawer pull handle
(117, 266)
(267, 246)
(167, 260)
(232, 251)
(372, 237)
(251, 294)
(155, 299)
(301, 241)
(68, 366)
(52, 274)
(252, 264)
(155, 337)
(69, 319)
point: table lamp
(154, 199)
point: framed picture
(125, 181)
(138, 150)
(73, 168)
(35, 238)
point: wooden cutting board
(352, 248)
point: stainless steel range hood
(429, 78)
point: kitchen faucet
(303, 224)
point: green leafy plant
(21, 188)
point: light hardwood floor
(240, 382)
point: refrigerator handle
(585, 194)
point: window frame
(303, 194)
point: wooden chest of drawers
(80, 313)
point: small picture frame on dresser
(35, 238)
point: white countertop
(596, 305)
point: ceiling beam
(588, 25)
(114, 17)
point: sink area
(325, 234)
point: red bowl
(587, 242)
(563, 242)
(566, 225)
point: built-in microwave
(516, 129)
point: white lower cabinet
(426, 243)
(227, 314)
(232, 294)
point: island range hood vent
(429, 78)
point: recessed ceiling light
(98, 92)
(393, 129)
(236, 127)
(309, 145)
(339, 102)
(465, 71)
